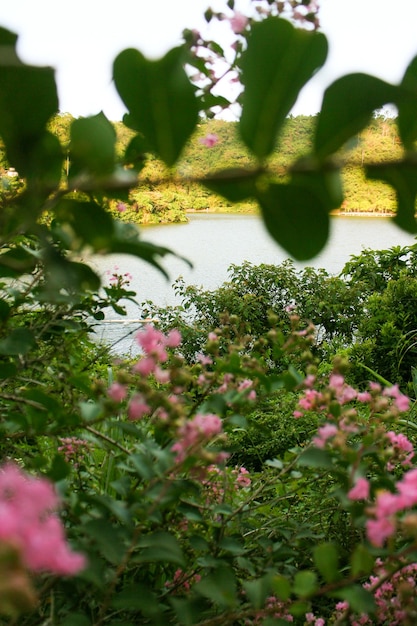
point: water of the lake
(212, 242)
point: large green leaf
(402, 176)
(407, 106)
(160, 99)
(92, 146)
(360, 600)
(28, 98)
(321, 179)
(219, 586)
(90, 222)
(278, 62)
(160, 546)
(326, 559)
(18, 341)
(296, 218)
(234, 184)
(347, 107)
(127, 241)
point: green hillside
(163, 196)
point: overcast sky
(81, 39)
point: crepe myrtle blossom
(383, 522)
(198, 430)
(209, 140)
(29, 524)
(154, 343)
(238, 22)
(117, 392)
(360, 490)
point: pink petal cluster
(243, 477)
(360, 490)
(201, 428)
(402, 448)
(383, 523)
(137, 408)
(73, 448)
(238, 22)
(117, 392)
(325, 432)
(209, 140)
(154, 345)
(401, 401)
(29, 524)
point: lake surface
(212, 242)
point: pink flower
(401, 401)
(153, 343)
(137, 408)
(162, 376)
(121, 207)
(204, 360)
(379, 530)
(173, 339)
(28, 522)
(117, 392)
(324, 433)
(209, 140)
(360, 491)
(196, 431)
(238, 22)
(243, 478)
(145, 366)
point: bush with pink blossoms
(32, 537)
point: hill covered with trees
(151, 202)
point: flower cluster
(394, 595)
(29, 524)
(193, 433)
(387, 507)
(73, 449)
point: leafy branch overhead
(164, 105)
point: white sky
(81, 38)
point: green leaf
(219, 587)
(296, 218)
(7, 370)
(89, 221)
(59, 469)
(16, 261)
(348, 105)
(234, 184)
(126, 241)
(402, 176)
(315, 457)
(321, 179)
(407, 106)
(258, 590)
(136, 596)
(4, 310)
(92, 147)
(281, 587)
(19, 341)
(360, 600)
(326, 559)
(160, 546)
(362, 561)
(28, 98)
(160, 99)
(109, 539)
(305, 583)
(279, 60)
